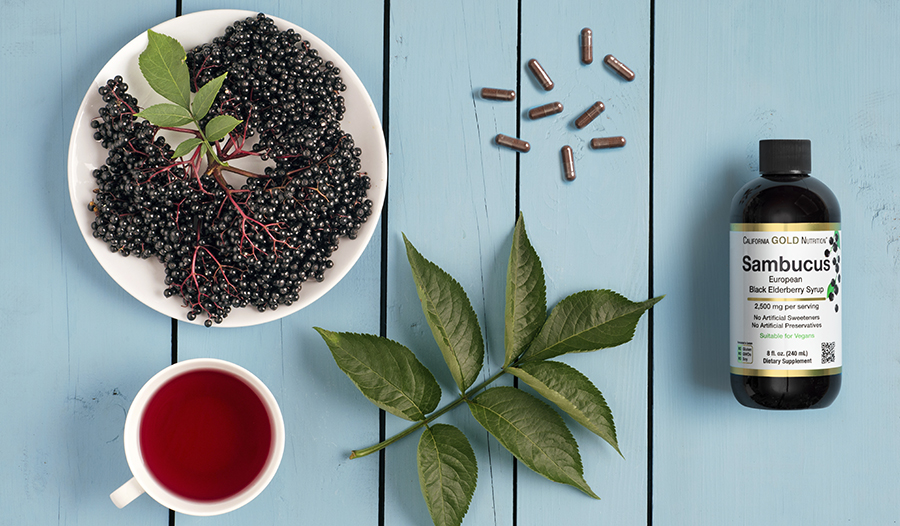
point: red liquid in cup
(205, 435)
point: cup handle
(126, 493)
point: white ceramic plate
(143, 279)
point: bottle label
(785, 299)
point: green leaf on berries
(166, 114)
(572, 392)
(448, 473)
(587, 321)
(386, 372)
(206, 95)
(163, 65)
(451, 317)
(533, 432)
(186, 147)
(220, 126)
(526, 295)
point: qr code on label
(828, 352)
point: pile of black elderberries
(255, 242)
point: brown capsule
(587, 46)
(619, 68)
(568, 163)
(498, 94)
(542, 77)
(511, 142)
(598, 143)
(590, 114)
(545, 110)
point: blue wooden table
(712, 78)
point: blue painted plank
(325, 417)
(592, 233)
(728, 74)
(452, 192)
(76, 347)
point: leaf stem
(356, 453)
(209, 147)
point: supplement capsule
(598, 143)
(619, 68)
(542, 77)
(511, 142)
(568, 162)
(545, 110)
(587, 46)
(590, 114)
(498, 94)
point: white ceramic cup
(144, 481)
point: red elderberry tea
(206, 435)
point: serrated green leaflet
(448, 473)
(533, 432)
(526, 295)
(219, 126)
(572, 392)
(451, 317)
(163, 65)
(206, 95)
(186, 147)
(386, 372)
(587, 321)
(165, 115)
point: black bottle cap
(785, 156)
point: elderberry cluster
(136, 185)
(252, 243)
(275, 77)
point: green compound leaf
(165, 115)
(572, 392)
(448, 473)
(219, 127)
(587, 321)
(206, 95)
(186, 147)
(386, 372)
(526, 295)
(533, 432)
(451, 317)
(163, 65)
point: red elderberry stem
(246, 218)
(195, 133)
(245, 173)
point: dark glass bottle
(785, 193)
